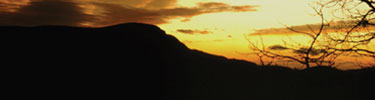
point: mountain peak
(137, 29)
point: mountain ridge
(141, 61)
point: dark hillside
(141, 62)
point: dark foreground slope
(140, 62)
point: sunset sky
(214, 26)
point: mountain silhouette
(140, 61)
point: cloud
(47, 12)
(145, 4)
(159, 4)
(118, 14)
(14, 2)
(335, 26)
(284, 31)
(278, 47)
(98, 13)
(313, 51)
(185, 20)
(12, 5)
(189, 31)
(220, 7)
(272, 31)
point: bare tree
(259, 52)
(353, 34)
(359, 31)
(313, 53)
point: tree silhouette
(353, 34)
(326, 46)
(356, 35)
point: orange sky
(214, 26)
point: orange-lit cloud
(99, 13)
(12, 5)
(189, 31)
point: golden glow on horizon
(220, 28)
(228, 28)
(270, 13)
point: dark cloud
(278, 47)
(47, 12)
(103, 13)
(213, 5)
(189, 31)
(334, 26)
(12, 4)
(6, 6)
(186, 31)
(148, 4)
(118, 14)
(313, 51)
